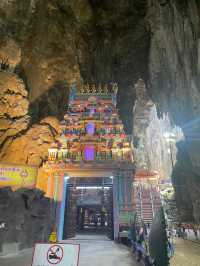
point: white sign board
(56, 254)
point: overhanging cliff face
(66, 41)
(50, 44)
(174, 87)
(174, 58)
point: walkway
(93, 252)
(187, 253)
(104, 252)
(23, 259)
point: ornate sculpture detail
(82, 90)
(93, 88)
(87, 88)
(115, 88)
(112, 88)
(105, 88)
(98, 88)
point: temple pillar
(50, 185)
(115, 208)
(62, 205)
(122, 200)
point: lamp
(66, 177)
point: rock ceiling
(49, 44)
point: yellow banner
(17, 176)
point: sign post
(60, 254)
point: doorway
(89, 208)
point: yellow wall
(42, 180)
(17, 176)
(50, 183)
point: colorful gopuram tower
(93, 144)
(92, 130)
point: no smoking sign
(56, 254)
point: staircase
(147, 203)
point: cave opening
(151, 49)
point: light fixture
(66, 177)
(170, 137)
(92, 187)
(111, 177)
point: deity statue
(87, 88)
(115, 88)
(93, 88)
(82, 89)
(105, 89)
(99, 88)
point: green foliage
(158, 240)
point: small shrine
(91, 149)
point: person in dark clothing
(139, 250)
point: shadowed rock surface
(28, 217)
(32, 147)
(13, 106)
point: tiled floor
(103, 253)
(94, 251)
(187, 253)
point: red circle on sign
(55, 254)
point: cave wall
(27, 215)
(174, 76)
(174, 58)
(151, 149)
(50, 44)
(21, 141)
(65, 41)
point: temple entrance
(89, 208)
(90, 167)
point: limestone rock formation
(32, 147)
(14, 105)
(66, 41)
(10, 53)
(174, 87)
(20, 141)
(187, 194)
(27, 216)
(151, 149)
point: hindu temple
(99, 132)
(90, 167)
